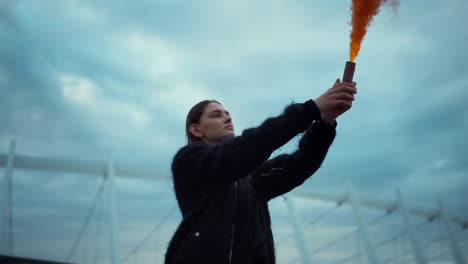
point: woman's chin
(229, 134)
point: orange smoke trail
(363, 12)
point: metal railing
(108, 170)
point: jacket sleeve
(204, 165)
(283, 173)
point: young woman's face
(215, 124)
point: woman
(223, 183)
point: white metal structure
(107, 169)
(11, 161)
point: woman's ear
(195, 130)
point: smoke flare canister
(348, 71)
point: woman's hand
(336, 100)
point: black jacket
(223, 190)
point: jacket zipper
(233, 222)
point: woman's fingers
(343, 104)
(335, 85)
(342, 88)
(345, 88)
(338, 98)
(343, 96)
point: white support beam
(455, 248)
(298, 228)
(418, 252)
(6, 220)
(113, 214)
(363, 230)
(76, 166)
(389, 206)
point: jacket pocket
(207, 242)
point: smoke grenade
(348, 71)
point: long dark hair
(193, 117)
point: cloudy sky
(82, 79)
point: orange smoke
(363, 12)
